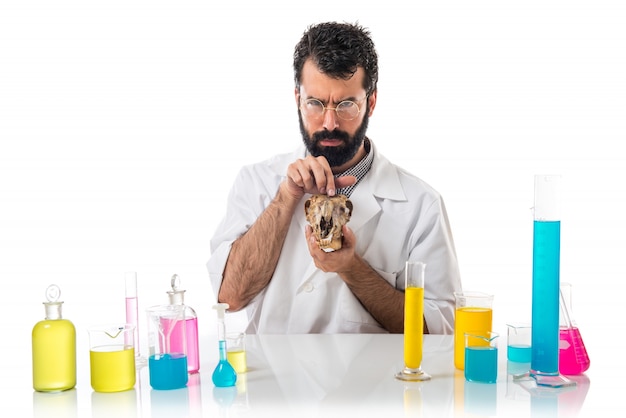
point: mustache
(334, 134)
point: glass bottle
(54, 347)
(190, 345)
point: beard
(338, 155)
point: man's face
(328, 135)
(344, 146)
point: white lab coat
(396, 217)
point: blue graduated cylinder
(545, 294)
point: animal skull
(327, 215)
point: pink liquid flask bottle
(185, 341)
(573, 356)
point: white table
(322, 375)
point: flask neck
(53, 310)
(176, 297)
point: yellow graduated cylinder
(413, 326)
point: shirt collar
(359, 170)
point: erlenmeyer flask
(573, 357)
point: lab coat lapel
(380, 183)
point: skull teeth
(326, 227)
(326, 241)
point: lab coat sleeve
(253, 189)
(435, 246)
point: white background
(123, 124)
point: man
(264, 257)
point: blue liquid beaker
(167, 366)
(518, 349)
(481, 356)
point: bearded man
(264, 256)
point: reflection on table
(326, 375)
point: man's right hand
(313, 175)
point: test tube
(132, 308)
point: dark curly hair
(338, 49)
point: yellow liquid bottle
(54, 348)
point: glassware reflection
(114, 404)
(62, 404)
(224, 397)
(413, 404)
(169, 403)
(194, 387)
(480, 399)
(564, 401)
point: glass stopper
(175, 282)
(53, 293)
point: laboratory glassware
(224, 374)
(413, 323)
(518, 343)
(474, 312)
(190, 323)
(544, 363)
(167, 362)
(132, 314)
(112, 357)
(54, 347)
(236, 351)
(573, 356)
(481, 356)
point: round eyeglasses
(346, 110)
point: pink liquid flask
(185, 340)
(573, 357)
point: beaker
(236, 351)
(167, 362)
(474, 312)
(518, 348)
(481, 356)
(112, 357)
(573, 356)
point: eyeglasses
(346, 110)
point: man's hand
(313, 175)
(338, 261)
(381, 299)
